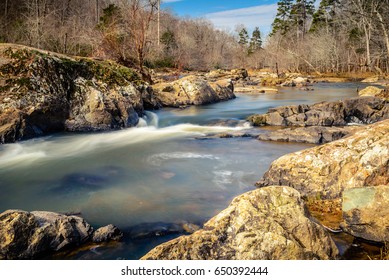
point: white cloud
(261, 16)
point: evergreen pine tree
(324, 16)
(243, 37)
(256, 40)
(302, 11)
(282, 21)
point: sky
(227, 14)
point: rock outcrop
(41, 92)
(373, 79)
(356, 161)
(27, 235)
(193, 90)
(375, 91)
(366, 213)
(296, 82)
(268, 223)
(312, 134)
(363, 110)
(234, 74)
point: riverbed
(167, 171)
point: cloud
(261, 16)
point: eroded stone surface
(356, 161)
(362, 110)
(366, 212)
(267, 223)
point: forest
(327, 36)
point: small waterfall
(149, 119)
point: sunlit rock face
(193, 90)
(268, 223)
(356, 161)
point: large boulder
(356, 161)
(25, 235)
(366, 213)
(362, 110)
(268, 223)
(193, 90)
(42, 92)
(28, 235)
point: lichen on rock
(42, 92)
(268, 223)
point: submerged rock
(41, 92)
(193, 90)
(268, 223)
(27, 235)
(366, 213)
(356, 161)
(363, 110)
(312, 134)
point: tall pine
(324, 16)
(255, 41)
(243, 37)
(302, 12)
(282, 22)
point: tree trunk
(6, 9)
(97, 11)
(385, 33)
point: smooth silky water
(166, 172)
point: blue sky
(226, 14)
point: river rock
(375, 91)
(296, 82)
(107, 233)
(28, 235)
(356, 161)
(366, 213)
(373, 79)
(193, 90)
(268, 223)
(46, 92)
(25, 235)
(234, 74)
(362, 110)
(312, 134)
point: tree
(255, 41)
(243, 37)
(301, 12)
(325, 15)
(281, 22)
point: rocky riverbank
(42, 92)
(273, 223)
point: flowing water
(164, 172)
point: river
(166, 172)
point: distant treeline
(338, 36)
